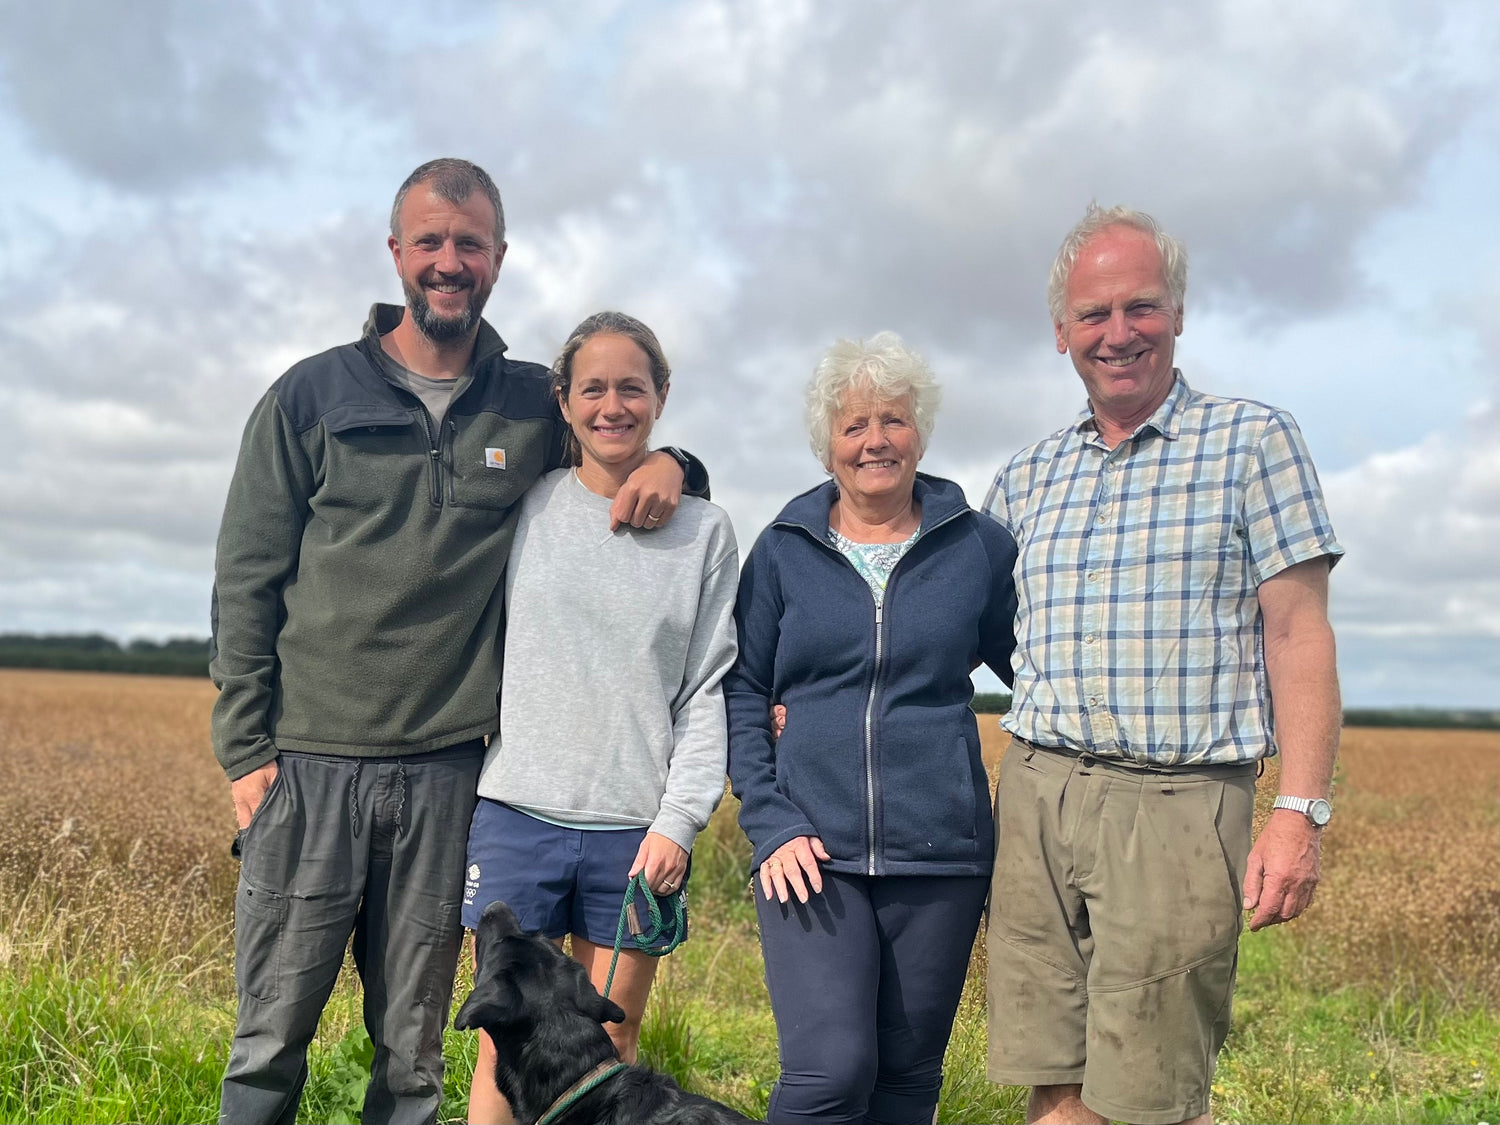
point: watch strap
(1305, 806)
(694, 475)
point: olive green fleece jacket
(359, 580)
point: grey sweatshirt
(615, 643)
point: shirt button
(1093, 575)
(1093, 701)
(1088, 640)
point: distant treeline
(1428, 718)
(990, 703)
(94, 652)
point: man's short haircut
(606, 323)
(1174, 259)
(882, 366)
(454, 180)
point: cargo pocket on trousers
(259, 919)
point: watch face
(1320, 812)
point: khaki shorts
(1114, 925)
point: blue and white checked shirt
(1139, 631)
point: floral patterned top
(874, 561)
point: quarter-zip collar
(384, 318)
(487, 346)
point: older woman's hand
(787, 865)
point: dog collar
(601, 1073)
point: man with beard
(357, 623)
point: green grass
(92, 1041)
(94, 1031)
(1351, 1054)
(89, 1039)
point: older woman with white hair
(862, 611)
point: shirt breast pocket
(494, 459)
(376, 456)
(1177, 546)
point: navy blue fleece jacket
(880, 755)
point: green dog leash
(601, 1073)
(673, 928)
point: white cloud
(158, 96)
(128, 382)
(204, 194)
(1421, 526)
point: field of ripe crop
(112, 807)
(116, 891)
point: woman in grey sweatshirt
(612, 744)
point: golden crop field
(110, 799)
(113, 812)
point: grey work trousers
(372, 847)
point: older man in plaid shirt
(1173, 585)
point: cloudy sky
(194, 196)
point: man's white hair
(1174, 259)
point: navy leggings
(865, 980)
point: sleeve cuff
(694, 475)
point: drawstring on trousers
(401, 797)
(354, 798)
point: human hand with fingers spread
(794, 867)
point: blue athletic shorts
(557, 880)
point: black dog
(545, 1018)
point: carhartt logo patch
(494, 458)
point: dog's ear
(591, 1004)
(492, 1003)
(498, 921)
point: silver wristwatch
(1317, 810)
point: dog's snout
(499, 920)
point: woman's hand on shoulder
(663, 861)
(793, 869)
